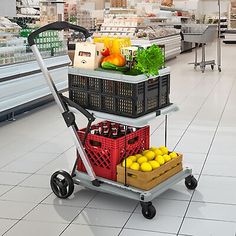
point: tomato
(105, 52)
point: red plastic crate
(110, 152)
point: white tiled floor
(37, 144)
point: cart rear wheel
(62, 184)
(191, 182)
(212, 67)
(148, 210)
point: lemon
(133, 158)
(135, 166)
(164, 149)
(145, 151)
(154, 164)
(173, 155)
(142, 159)
(129, 162)
(150, 155)
(167, 157)
(146, 167)
(158, 152)
(138, 155)
(153, 148)
(160, 160)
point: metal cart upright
(62, 183)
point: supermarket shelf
(163, 8)
(136, 122)
(23, 83)
(115, 188)
(172, 44)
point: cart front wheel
(62, 184)
(212, 67)
(191, 182)
(148, 210)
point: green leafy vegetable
(150, 60)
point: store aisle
(204, 129)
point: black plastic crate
(119, 98)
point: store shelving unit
(230, 33)
(172, 44)
(22, 85)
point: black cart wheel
(148, 210)
(191, 182)
(62, 184)
(212, 67)
(219, 69)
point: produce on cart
(114, 156)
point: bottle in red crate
(129, 130)
(121, 131)
(114, 133)
(113, 125)
(105, 132)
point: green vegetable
(109, 66)
(150, 60)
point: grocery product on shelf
(14, 47)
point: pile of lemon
(150, 159)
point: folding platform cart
(62, 183)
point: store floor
(38, 143)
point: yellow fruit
(164, 149)
(150, 155)
(167, 157)
(133, 158)
(158, 152)
(142, 160)
(160, 160)
(146, 167)
(173, 155)
(135, 166)
(154, 164)
(153, 148)
(128, 163)
(138, 155)
(145, 151)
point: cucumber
(109, 66)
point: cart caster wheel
(219, 69)
(212, 67)
(148, 210)
(190, 182)
(62, 184)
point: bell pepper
(116, 59)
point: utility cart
(87, 90)
(201, 35)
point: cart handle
(58, 25)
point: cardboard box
(88, 55)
